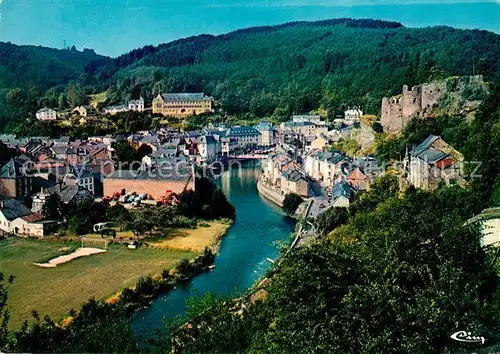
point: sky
(113, 27)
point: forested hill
(41, 67)
(254, 72)
(199, 43)
(299, 66)
(33, 77)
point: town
(172, 180)
(302, 156)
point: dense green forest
(41, 67)
(268, 71)
(33, 77)
(299, 67)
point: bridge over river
(248, 157)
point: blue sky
(112, 27)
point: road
(319, 198)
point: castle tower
(412, 101)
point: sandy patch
(194, 240)
(81, 252)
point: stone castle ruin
(456, 95)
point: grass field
(98, 98)
(194, 240)
(54, 291)
(207, 234)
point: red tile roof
(33, 218)
(356, 174)
(444, 163)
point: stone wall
(422, 100)
(274, 195)
(432, 93)
(392, 118)
(411, 100)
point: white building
(17, 219)
(11, 209)
(46, 114)
(115, 109)
(307, 118)
(267, 133)
(207, 148)
(228, 146)
(352, 116)
(136, 105)
(325, 167)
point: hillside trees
(83, 215)
(205, 202)
(53, 208)
(33, 77)
(300, 66)
(75, 95)
(291, 203)
(98, 327)
(330, 219)
(406, 273)
(128, 156)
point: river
(243, 253)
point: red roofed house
(433, 162)
(17, 219)
(33, 225)
(358, 179)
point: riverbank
(207, 242)
(207, 234)
(99, 276)
(252, 239)
(55, 291)
(276, 196)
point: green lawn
(54, 291)
(98, 98)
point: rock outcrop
(455, 95)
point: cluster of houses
(285, 174)
(167, 104)
(302, 160)
(338, 176)
(88, 111)
(203, 146)
(306, 157)
(78, 170)
(71, 169)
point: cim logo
(467, 337)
